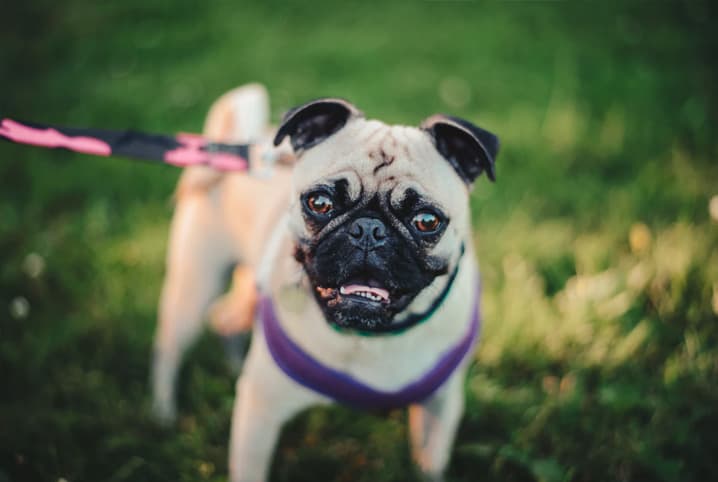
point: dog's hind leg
(432, 427)
(232, 315)
(198, 262)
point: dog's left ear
(313, 122)
(471, 150)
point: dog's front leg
(265, 399)
(433, 424)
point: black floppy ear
(311, 123)
(471, 150)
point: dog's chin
(360, 307)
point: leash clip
(227, 157)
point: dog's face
(380, 213)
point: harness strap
(342, 387)
(181, 150)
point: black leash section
(181, 150)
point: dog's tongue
(356, 288)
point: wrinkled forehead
(373, 157)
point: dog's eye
(426, 222)
(319, 203)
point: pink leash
(181, 150)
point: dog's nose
(367, 233)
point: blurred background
(599, 357)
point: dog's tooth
(369, 295)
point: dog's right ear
(313, 122)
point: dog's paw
(164, 412)
(426, 471)
(428, 477)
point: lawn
(599, 357)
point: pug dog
(355, 265)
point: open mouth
(364, 291)
(371, 293)
(361, 302)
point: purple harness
(309, 372)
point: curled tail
(239, 116)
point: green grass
(599, 359)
